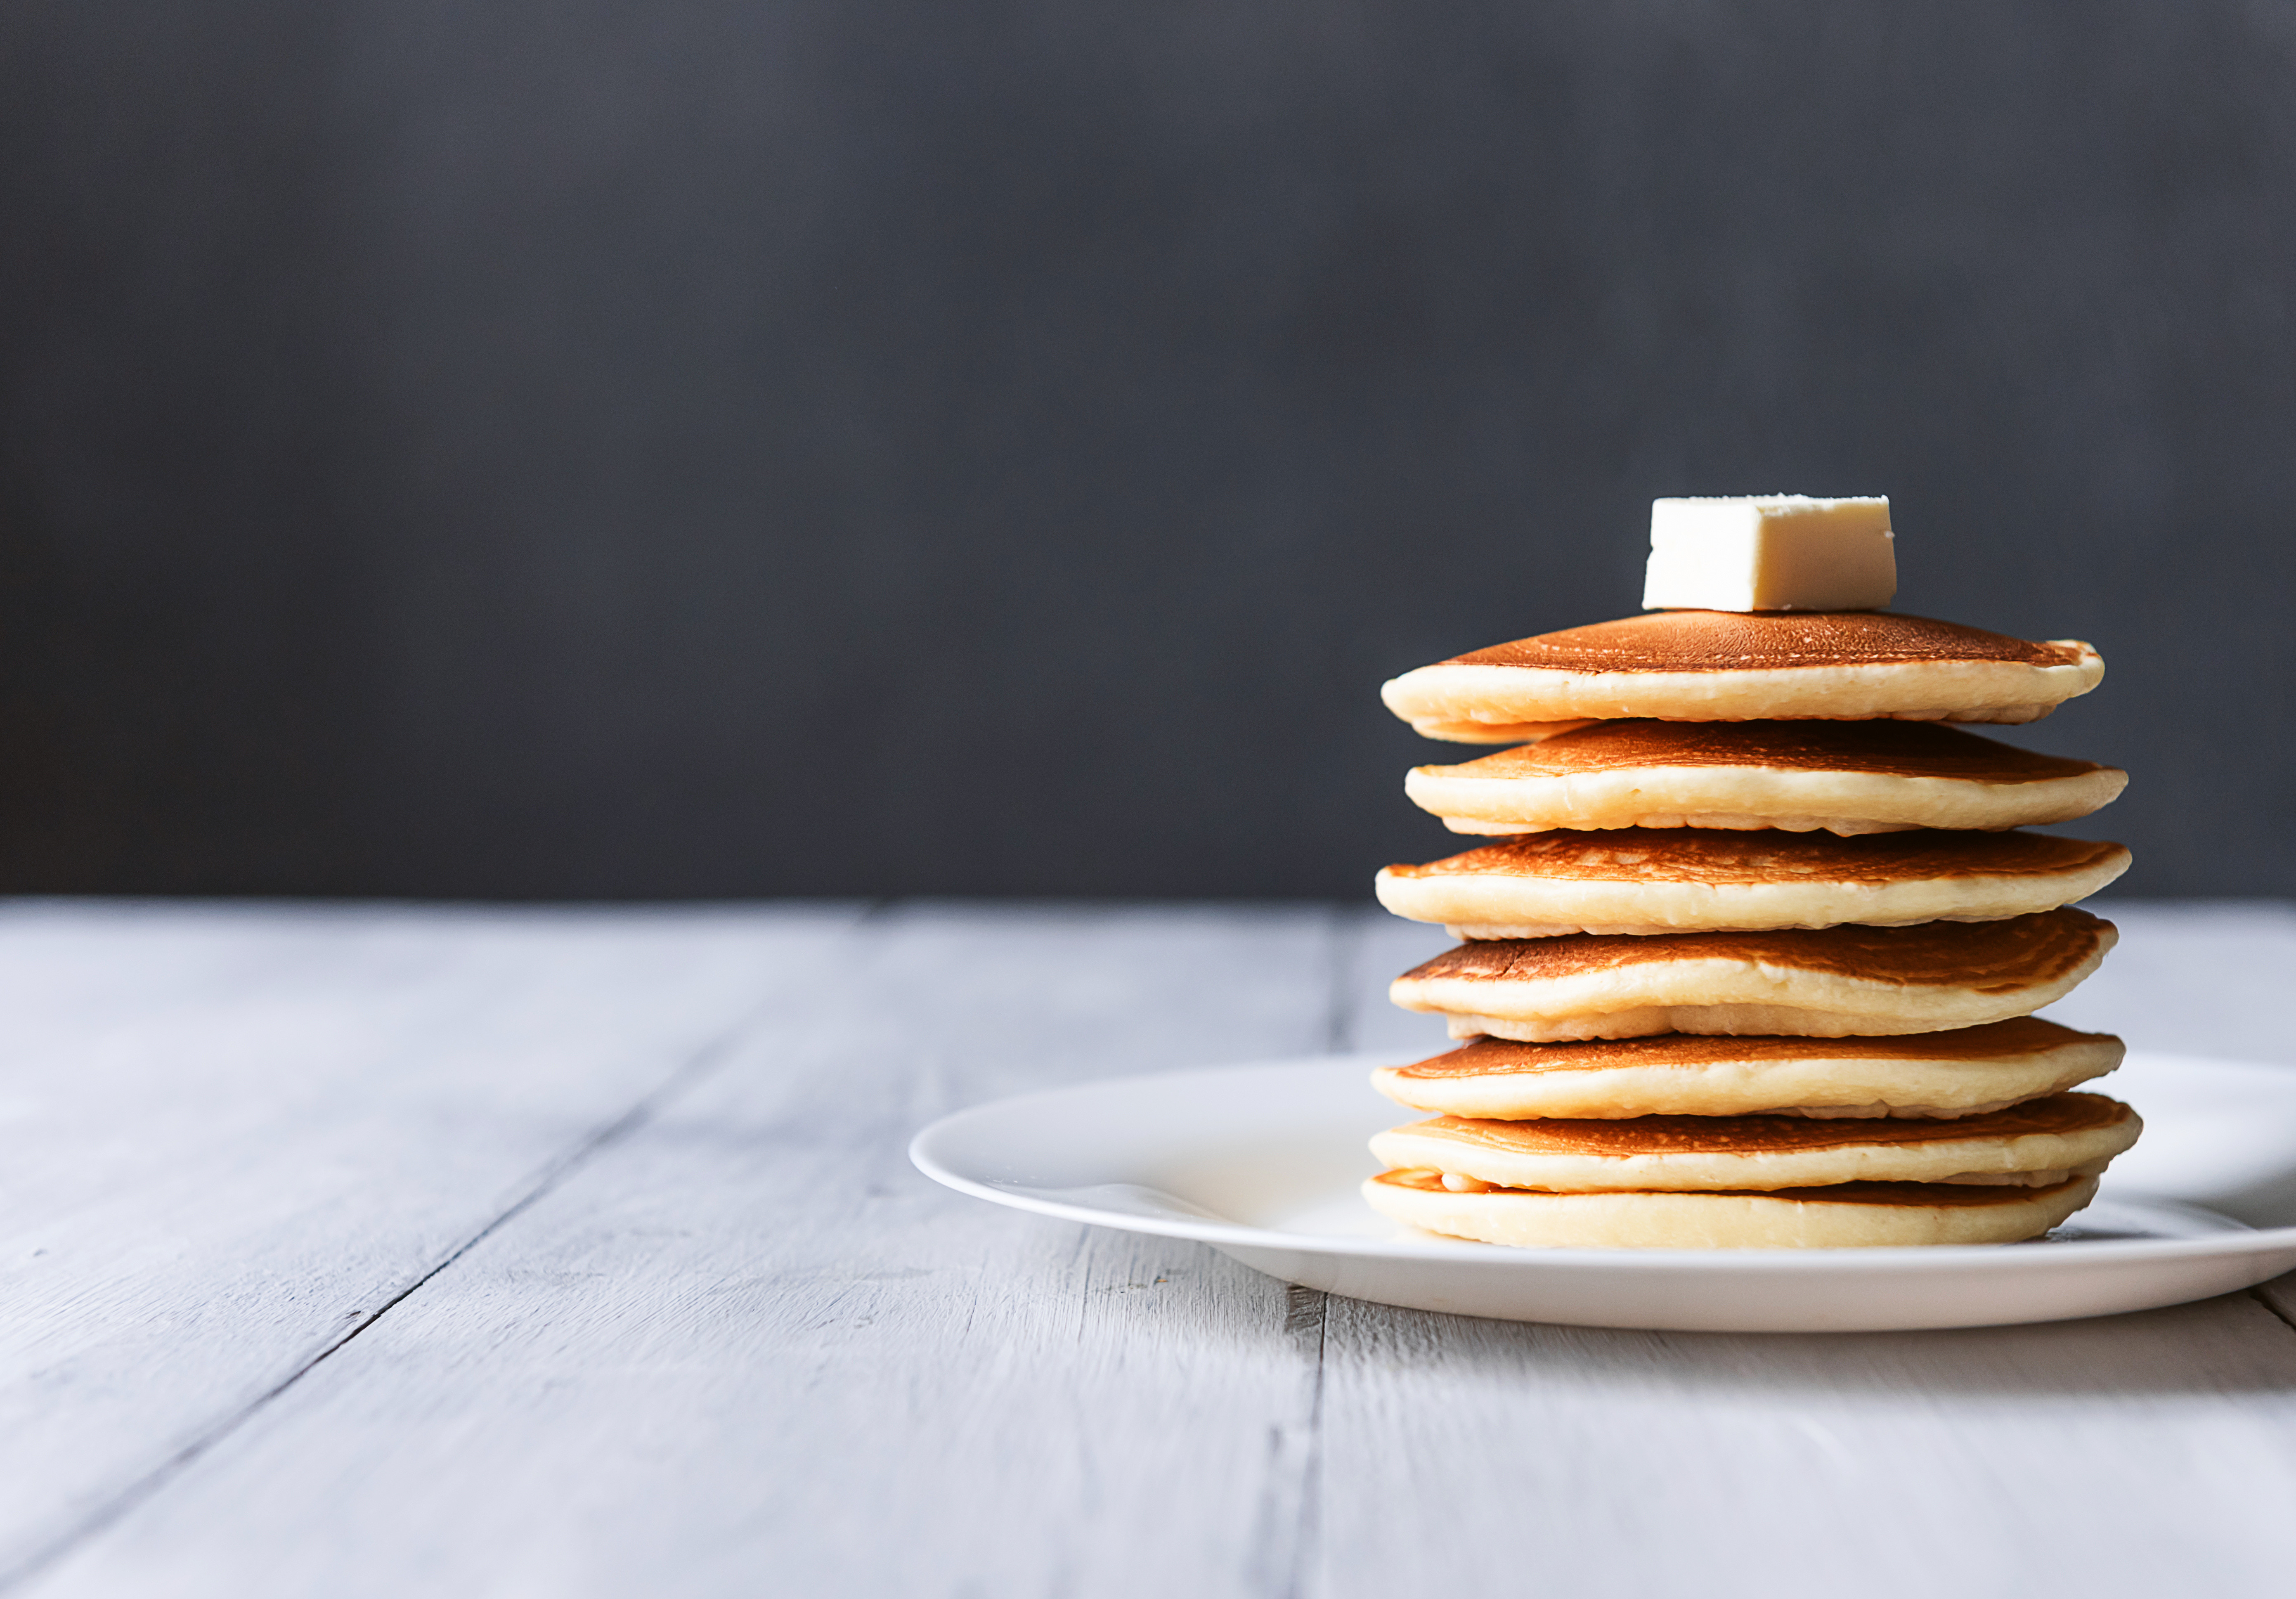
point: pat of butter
(1784, 552)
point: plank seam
(703, 1062)
(1346, 933)
(2265, 1300)
(1311, 1472)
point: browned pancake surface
(1884, 749)
(1725, 640)
(2017, 952)
(1708, 856)
(1501, 1057)
(1965, 1194)
(1771, 1134)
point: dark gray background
(735, 446)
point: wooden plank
(2195, 978)
(743, 1349)
(747, 1350)
(2141, 1455)
(1381, 949)
(236, 1134)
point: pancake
(2039, 1144)
(1502, 733)
(1716, 666)
(1949, 1074)
(1683, 880)
(1844, 1216)
(1843, 777)
(1829, 983)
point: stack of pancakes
(1751, 959)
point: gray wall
(730, 446)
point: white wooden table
(429, 1251)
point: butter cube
(1784, 552)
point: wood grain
(2127, 1455)
(1380, 948)
(2203, 978)
(234, 1135)
(749, 1350)
(738, 1347)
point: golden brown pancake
(1645, 882)
(1947, 1074)
(1844, 777)
(1509, 733)
(1715, 666)
(1839, 1215)
(1721, 641)
(2038, 1143)
(1829, 982)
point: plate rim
(2236, 1239)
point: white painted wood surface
(574, 1252)
(233, 1136)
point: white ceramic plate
(1263, 1163)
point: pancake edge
(1490, 905)
(1497, 732)
(1724, 995)
(1930, 691)
(1819, 1084)
(1762, 796)
(1427, 1146)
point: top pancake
(1716, 665)
(1843, 777)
